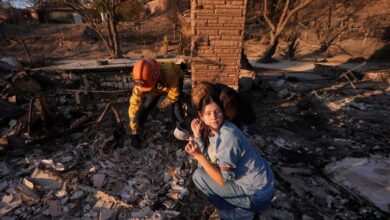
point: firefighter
(156, 84)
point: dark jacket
(236, 109)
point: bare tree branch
(284, 12)
(265, 14)
(111, 39)
(275, 31)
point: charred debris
(65, 151)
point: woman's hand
(196, 126)
(193, 149)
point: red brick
(212, 2)
(232, 38)
(235, 2)
(206, 32)
(204, 12)
(229, 11)
(229, 32)
(214, 17)
(231, 19)
(217, 53)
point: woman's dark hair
(206, 131)
(207, 99)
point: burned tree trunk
(267, 56)
(277, 27)
(111, 39)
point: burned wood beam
(348, 74)
(100, 119)
(79, 121)
(100, 69)
(30, 109)
(117, 116)
(97, 91)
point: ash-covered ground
(72, 156)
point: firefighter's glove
(163, 103)
(136, 141)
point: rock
(106, 214)
(54, 207)
(4, 170)
(64, 200)
(77, 195)
(137, 214)
(283, 94)
(280, 142)
(277, 85)
(148, 212)
(306, 217)
(98, 180)
(171, 214)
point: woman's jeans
(228, 196)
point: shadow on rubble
(341, 115)
(305, 124)
(43, 110)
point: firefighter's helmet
(146, 73)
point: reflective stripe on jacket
(168, 85)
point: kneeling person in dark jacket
(235, 108)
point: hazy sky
(19, 3)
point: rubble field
(65, 151)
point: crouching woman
(232, 174)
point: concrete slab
(299, 66)
(368, 177)
(84, 66)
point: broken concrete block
(368, 177)
(46, 179)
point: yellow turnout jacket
(168, 85)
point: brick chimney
(217, 28)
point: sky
(19, 3)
